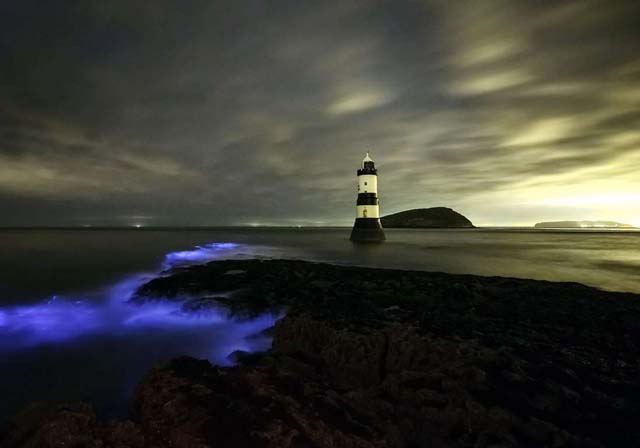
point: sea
(68, 332)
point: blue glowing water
(61, 318)
(70, 337)
(199, 254)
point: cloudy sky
(201, 112)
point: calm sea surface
(66, 331)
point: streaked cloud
(358, 102)
(486, 83)
(186, 112)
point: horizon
(323, 226)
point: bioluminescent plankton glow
(199, 254)
(59, 319)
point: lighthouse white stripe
(367, 211)
(368, 183)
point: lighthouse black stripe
(367, 223)
(367, 199)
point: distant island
(426, 218)
(583, 225)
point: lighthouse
(367, 227)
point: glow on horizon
(594, 205)
(605, 199)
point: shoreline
(402, 356)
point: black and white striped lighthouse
(367, 227)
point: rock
(201, 304)
(121, 435)
(189, 403)
(49, 426)
(526, 347)
(43, 425)
(240, 356)
(321, 284)
(421, 218)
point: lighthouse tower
(367, 227)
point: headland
(427, 218)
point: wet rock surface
(43, 425)
(382, 358)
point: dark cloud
(198, 112)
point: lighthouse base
(367, 230)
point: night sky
(259, 112)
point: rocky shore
(381, 358)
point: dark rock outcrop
(43, 425)
(426, 218)
(387, 358)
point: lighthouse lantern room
(367, 227)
